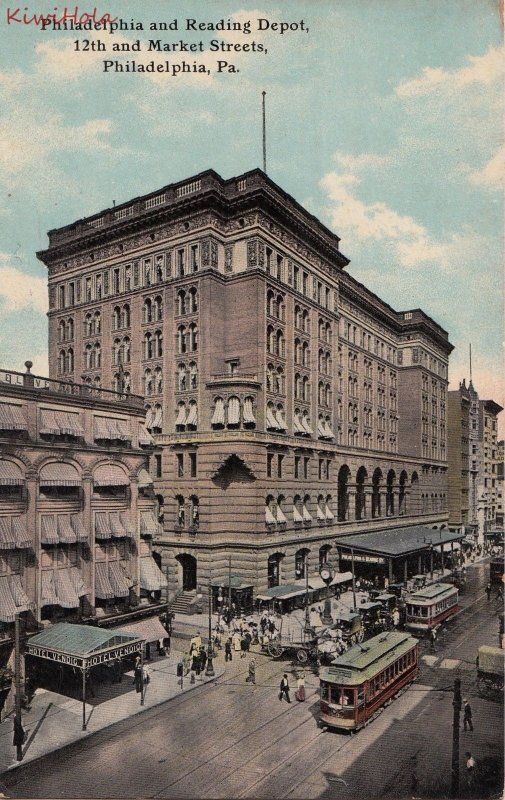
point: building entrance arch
(187, 572)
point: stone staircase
(184, 603)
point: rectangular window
(297, 466)
(280, 459)
(180, 263)
(194, 258)
(106, 282)
(270, 458)
(321, 465)
(192, 465)
(180, 465)
(88, 290)
(115, 281)
(157, 465)
(269, 260)
(306, 463)
(296, 278)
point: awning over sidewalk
(151, 577)
(397, 542)
(82, 645)
(151, 629)
(285, 592)
(236, 582)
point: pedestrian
(251, 678)
(284, 688)
(147, 676)
(488, 592)
(499, 593)
(433, 639)
(228, 650)
(300, 688)
(467, 715)
(243, 646)
(471, 764)
(137, 675)
(196, 664)
(203, 658)
(396, 617)
(236, 638)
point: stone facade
(291, 404)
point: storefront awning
(13, 599)
(285, 592)
(7, 535)
(145, 480)
(145, 438)
(49, 529)
(82, 645)
(150, 630)
(236, 582)
(66, 533)
(151, 577)
(110, 475)
(103, 588)
(111, 428)
(58, 473)
(119, 581)
(341, 577)
(148, 524)
(12, 418)
(80, 531)
(10, 474)
(116, 526)
(102, 525)
(396, 542)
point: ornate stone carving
(228, 258)
(251, 253)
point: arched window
(305, 321)
(233, 412)
(181, 339)
(97, 355)
(97, 382)
(87, 356)
(218, 417)
(280, 307)
(116, 318)
(158, 309)
(360, 501)
(157, 419)
(376, 493)
(298, 351)
(116, 351)
(280, 380)
(181, 377)
(181, 302)
(147, 311)
(402, 496)
(320, 393)
(270, 339)
(88, 325)
(181, 517)
(194, 511)
(327, 395)
(298, 317)
(270, 510)
(70, 329)
(270, 303)
(148, 382)
(97, 322)
(192, 418)
(343, 496)
(305, 354)
(193, 337)
(158, 344)
(125, 316)
(62, 361)
(390, 497)
(274, 569)
(193, 375)
(126, 350)
(305, 388)
(70, 360)
(280, 344)
(193, 300)
(298, 387)
(301, 563)
(148, 346)
(158, 380)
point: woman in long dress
(300, 688)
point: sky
(383, 120)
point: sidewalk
(55, 721)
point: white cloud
(19, 291)
(483, 70)
(361, 161)
(492, 174)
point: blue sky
(384, 120)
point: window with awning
(118, 580)
(328, 431)
(126, 522)
(111, 429)
(66, 533)
(157, 418)
(57, 473)
(145, 438)
(12, 417)
(233, 411)
(218, 415)
(328, 512)
(281, 422)
(271, 421)
(13, 599)
(10, 474)
(306, 514)
(13, 533)
(151, 576)
(62, 587)
(297, 517)
(305, 425)
(103, 588)
(48, 590)
(269, 517)
(148, 524)
(116, 526)
(110, 475)
(149, 418)
(145, 480)
(49, 530)
(7, 535)
(181, 416)
(80, 531)
(192, 419)
(320, 513)
(281, 517)
(59, 423)
(320, 429)
(61, 529)
(297, 425)
(248, 413)
(102, 525)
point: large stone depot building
(293, 406)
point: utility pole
(456, 704)
(18, 726)
(353, 581)
(209, 672)
(307, 613)
(264, 135)
(229, 589)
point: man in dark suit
(284, 688)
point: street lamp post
(209, 671)
(327, 576)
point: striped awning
(297, 426)
(116, 526)
(111, 428)
(48, 594)
(59, 474)
(103, 588)
(65, 589)
(13, 599)
(77, 582)
(48, 422)
(145, 437)
(281, 422)
(151, 576)
(320, 429)
(157, 418)
(10, 474)
(7, 536)
(66, 533)
(233, 411)
(23, 538)
(118, 580)
(305, 425)
(12, 418)
(145, 479)
(272, 423)
(181, 416)
(101, 428)
(70, 423)
(328, 431)
(218, 415)
(149, 418)
(248, 415)
(102, 525)
(80, 531)
(148, 524)
(110, 475)
(126, 522)
(49, 530)
(193, 415)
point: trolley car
(430, 606)
(355, 689)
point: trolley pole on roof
(456, 704)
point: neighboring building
(77, 508)
(458, 444)
(500, 457)
(292, 404)
(487, 487)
